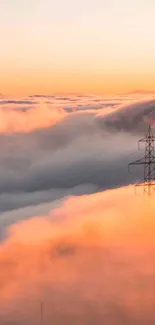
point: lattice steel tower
(148, 162)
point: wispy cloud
(28, 119)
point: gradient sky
(99, 46)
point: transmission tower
(148, 161)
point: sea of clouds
(73, 234)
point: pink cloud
(85, 260)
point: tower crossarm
(138, 162)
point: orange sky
(89, 47)
(21, 84)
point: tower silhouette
(148, 161)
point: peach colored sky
(76, 46)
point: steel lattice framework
(148, 161)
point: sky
(95, 46)
(76, 95)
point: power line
(148, 161)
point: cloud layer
(90, 260)
(55, 146)
(34, 116)
(87, 254)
